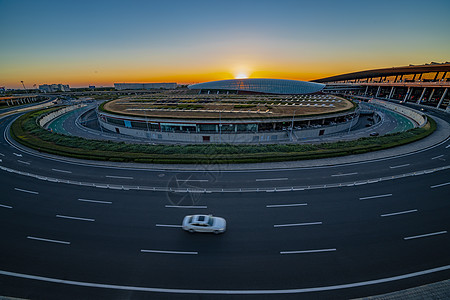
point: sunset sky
(102, 42)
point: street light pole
(292, 127)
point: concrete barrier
(45, 120)
(413, 114)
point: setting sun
(241, 75)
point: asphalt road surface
(77, 230)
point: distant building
(145, 86)
(51, 88)
(92, 87)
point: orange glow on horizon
(84, 75)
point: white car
(204, 223)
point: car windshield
(210, 221)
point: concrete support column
(442, 98)
(420, 77)
(378, 92)
(367, 88)
(407, 94)
(410, 94)
(431, 95)
(421, 96)
(391, 93)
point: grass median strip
(26, 131)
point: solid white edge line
(169, 252)
(5, 206)
(167, 225)
(286, 205)
(185, 206)
(373, 197)
(232, 292)
(298, 224)
(439, 185)
(424, 235)
(62, 171)
(75, 218)
(308, 251)
(272, 179)
(48, 240)
(399, 213)
(26, 191)
(95, 201)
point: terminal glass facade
(262, 85)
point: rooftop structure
(260, 85)
(228, 118)
(427, 72)
(51, 88)
(426, 84)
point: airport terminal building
(232, 111)
(258, 86)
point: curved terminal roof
(434, 67)
(261, 85)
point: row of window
(225, 128)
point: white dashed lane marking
(169, 252)
(374, 197)
(439, 185)
(26, 191)
(286, 205)
(75, 218)
(424, 235)
(95, 201)
(307, 251)
(62, 171)
(399, 213)
(47, 240)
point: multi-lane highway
(73, 229)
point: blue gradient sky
(102, 42)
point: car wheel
(216, 231)
(191, 230)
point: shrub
(27, 131)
